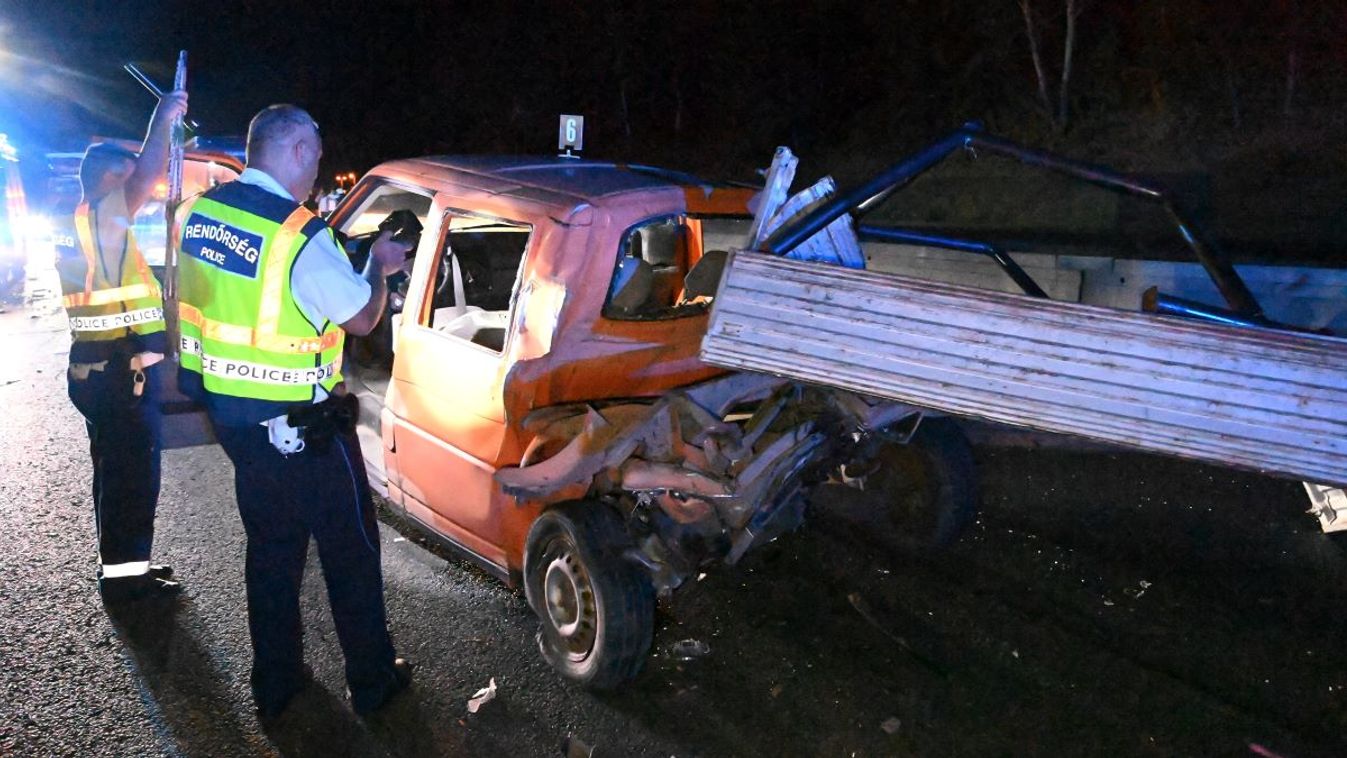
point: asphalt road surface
(1102, 605)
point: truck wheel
(596, 608)
(930, 484)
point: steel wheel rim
(568, 596)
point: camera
(405, 226)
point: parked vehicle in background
(206, 163)
(17, 225)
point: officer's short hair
(99, 159)
(275, 124)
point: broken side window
(477, 273)
(665, 267)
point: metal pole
(153, 88)
(1223, 275)
(1021, 277)
(1154, 301)
(785, 239)
(174, 199)
(145, 81)
(863, 198)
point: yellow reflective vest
(247, 350)
(107, 316)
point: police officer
(266, 297)
(117, 327)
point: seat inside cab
(475, 281)
(669, 267)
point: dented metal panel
(1252, 398)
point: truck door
(446, 396)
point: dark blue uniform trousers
(283, 500)
(124, 444)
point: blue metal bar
(1021, 278)
(787, 238)
(1098, 175)
(1223, 275)
(863, 198)
(1152, 301)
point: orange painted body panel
(453, 409)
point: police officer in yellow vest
(266, 296)
(117, 327)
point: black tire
(930, 484)
(597, 609)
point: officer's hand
(171, 105)
(388, 254)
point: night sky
(703, 85)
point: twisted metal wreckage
(844, 361)
(706, 481)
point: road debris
(863, 608)
(574, 747)
(891, 725)
(482, 697)
(686, 650)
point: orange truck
(536, 400)
(553, 394)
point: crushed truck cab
(535, 396)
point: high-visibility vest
(102, 311)
(247, 350)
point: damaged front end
(707, 472)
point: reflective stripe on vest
(114, 295)
(242, 330)
(106, 310)
(255, 372)
(123, 570)
(116, 320)
(234, 334)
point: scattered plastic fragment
(891, 725)
(483, 696)
(574, 747)
(686, 650)
(1137, 593)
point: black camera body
(404, 225)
